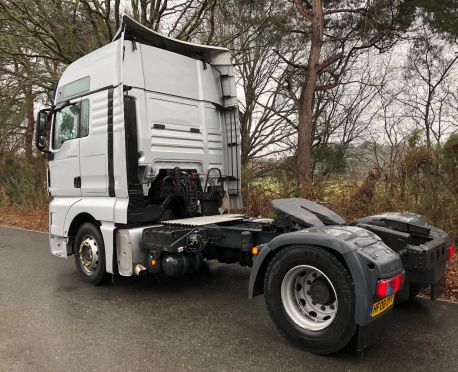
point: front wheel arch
(75, 225)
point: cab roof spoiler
(136, 32)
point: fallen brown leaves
(451, 285)
(30, 219)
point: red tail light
(451, 251)
(382, 288)
(389, 286)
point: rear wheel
(310, 297)
(89, 252)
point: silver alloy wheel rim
(298, 303)
(89, 255)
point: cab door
(64, 165)
(93, 145)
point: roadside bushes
(419, 179)
(23, 182)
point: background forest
(354, 103)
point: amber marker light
(153, 262)
(255, 251)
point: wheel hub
(89, 255)
(309, 298)
(320, 292)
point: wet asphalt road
(51, 321)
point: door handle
(77, 182)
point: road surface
(50, 320)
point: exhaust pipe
(139, 268)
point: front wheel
(310, 297)
(89, 252)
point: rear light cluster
(451, 251)
(389, 286)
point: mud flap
(371, 332)
(437, 288)
(107, 231)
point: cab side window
(71, 122)
(66, 125)
(84, 118)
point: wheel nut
(323, 308)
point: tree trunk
(30, 121)
(427, 125)
(306, 101)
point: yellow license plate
(382, 305)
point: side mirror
(41, 129)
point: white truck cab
(126, 116)
(144, 174)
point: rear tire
(310, 297)
(89, 252)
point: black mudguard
(364, 253)
(422, 246)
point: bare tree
(344, 116)
(38, 38)
(338, 30)
(429, 97)
(252, 31)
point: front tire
(89, 252)
(310, 297)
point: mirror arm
(47, 152)
(54, 108)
